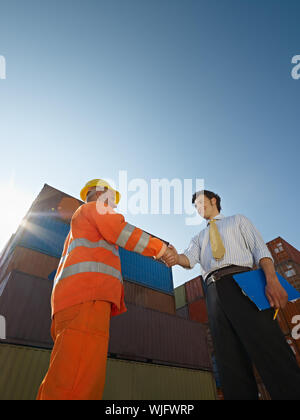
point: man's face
(204, 206)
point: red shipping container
(292, 314)
(198, 311)
(283, 251)
(194, 289)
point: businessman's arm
(176, 259)
(275, 293)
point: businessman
(242, 335)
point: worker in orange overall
(88, 291)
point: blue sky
(160, 89)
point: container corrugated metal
(148, 298)
(146, 271)
(140, 381)
(180, 297)
(142, 334)
(291, 271)
(23, 369)
(198, 311)
(31, 262)
(25, 304)
(194, 289)
(55, 203)
(282, 251)
(183, 312)
(45, 234)
(291, 310)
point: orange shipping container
(194, 289)
(30, 262)
(198, 311)
(149, 298)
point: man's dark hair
(210, 195)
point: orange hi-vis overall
(88, 291)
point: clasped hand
(170, 257)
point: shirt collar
(218, 217)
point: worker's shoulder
(84, 209)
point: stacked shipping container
(149, 332)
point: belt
(226, 271)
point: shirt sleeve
(114, 228)
(253, 240)
(193, 252)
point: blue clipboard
(253, 283)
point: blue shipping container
(146, 271)
(44, 234)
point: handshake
(170, 256)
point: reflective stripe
(142, 243)
(89, 244)
(125, 235)
(89, 267)
(96, 266)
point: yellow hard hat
(97, 183)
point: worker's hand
(170, 257)
(276, 295)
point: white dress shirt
(243, 243)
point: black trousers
(243, 335)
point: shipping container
(146, 271)
(25, 305)
(54, 203)
(23, 369)
(291, 272)
(198, 311)
(45, 234)
(183, 312)
(180, 297)
(31, 262)
(283, 251)
(194, 289)
(149, 298)
(145, 335)
(141, 381)
(291, 314)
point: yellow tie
(217, 246)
